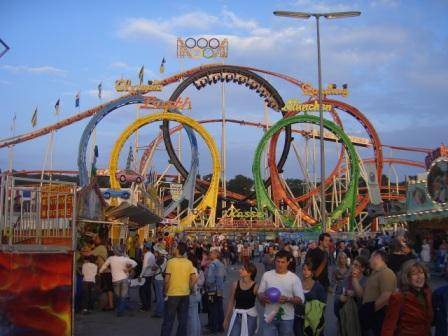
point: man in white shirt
(120, 267)
(239, 249)
(147, 273)
(279, 316)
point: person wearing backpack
(310, 321)
(160, 255)
(410, 311)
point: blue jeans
(121, 289)
(278, 328)
(145, 293)
(251, 325)
(194, 323)
(175, 305)
(159, 297)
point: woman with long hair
(241, 314)
(410, 311)
(350, 298)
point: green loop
(348, 202)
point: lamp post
(317, 16)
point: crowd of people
(377, 286)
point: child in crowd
(89, 272)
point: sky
(394, 57)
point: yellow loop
(210, 198)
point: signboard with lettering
(155, 103)
(331, 90)
(56, 201)
(125, 85)
(294, 105)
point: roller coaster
(351, 187)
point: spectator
(379, 286)
(194, 323)
(410, 309)
(351, 297)
(120, 267)
(160, 257)
(397, 257)
(215, 291)
(179, 280)
(279, 317)
(319, 260)
(89, 271)
(147, 273)
(313, 291)
(241, 313)
(339, 276)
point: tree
(241, 184)
(296, 186)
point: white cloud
(195, 20)
(120, 65)
(139, 28)
(45, 69)
(234, 21)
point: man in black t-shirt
(319, 259)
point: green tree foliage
(297, 186)
(241, 184)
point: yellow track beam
(211, 196)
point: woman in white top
(426, 252)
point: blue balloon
(273, 294)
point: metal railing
(37, 214)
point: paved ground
(141, 324)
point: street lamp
(317, 16)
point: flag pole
(11, 148)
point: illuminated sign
(294, 105)
(56, 202)
(438, 180)
(232, 212)
(125, 85)
(155, 103)
(202, 47)
(331, 90)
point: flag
(141, 74)
(93, 171)
(56, 107)
(162, 66)
(77, 99)
(34, 118)
(100, 89)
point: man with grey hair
(120, 266)
(215, 288)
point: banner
(36, 294)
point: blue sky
(394, 58)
